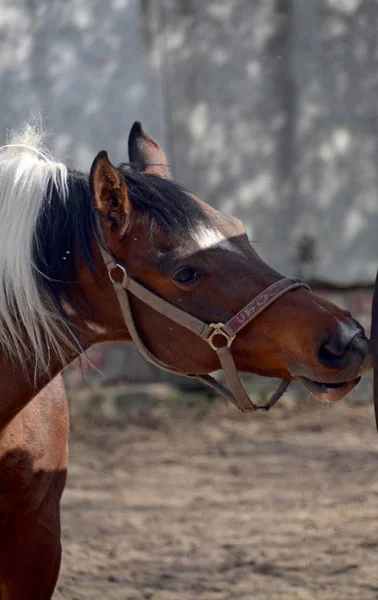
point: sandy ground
(279, 507)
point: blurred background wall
(267, 109)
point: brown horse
(58, 228)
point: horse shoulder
(33, 455)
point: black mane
(67, 226)
(166, 202)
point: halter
(212, 334)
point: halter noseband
(209, 333)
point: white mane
(32, 329)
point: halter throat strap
(211, 333)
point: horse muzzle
(334, 385)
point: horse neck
(19, 387)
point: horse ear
(145, 154)
(109, 190)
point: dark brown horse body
(185, 252)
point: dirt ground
(280, 507)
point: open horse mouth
(329, 392)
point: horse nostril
(333, 350)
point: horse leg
(33, 468)
(30, 568)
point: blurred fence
(267, 109)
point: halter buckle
(218, 330)
(122, 268)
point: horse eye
(186, 275)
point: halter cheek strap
(212, 334)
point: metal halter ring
(117, 266)
(218, 330)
